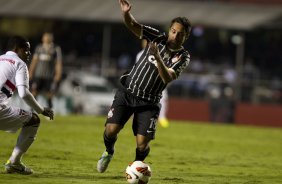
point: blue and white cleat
(17, 168)
(104, 161)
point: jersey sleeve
(150, 33)
(181, 62)
(22, 77)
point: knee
(34, 121)
(112, 130)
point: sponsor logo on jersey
(152, 60)
(8, 60)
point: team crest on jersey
(110, 113)
(152, 60)
(175, 59)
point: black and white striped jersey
(143, 80)
(47, 58)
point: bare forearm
(164, 72)
(131, 23)
(29, 99)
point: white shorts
(13, 118)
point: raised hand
(154, 50)
(125, 5)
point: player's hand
(48, 112)
(125, 5)
(154, 50)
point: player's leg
(24, 141)
(25, 138)
(12, 119)
(143, 147)
(48, 90)
(144, 127)
(50, 99)
(117, 116)
(112, 129)
(110, 138)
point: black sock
(141, 155)
(110, 144)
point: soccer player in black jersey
(162, 61)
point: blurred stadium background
(235, 72)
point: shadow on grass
(55, 176)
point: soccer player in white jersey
(14, 75)
(162, 61)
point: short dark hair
(17, 42)
(185, 22)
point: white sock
(25, 139)
(16, 156)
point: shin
(25, 138)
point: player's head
(21, 46)
(47, 37)
(179, 31)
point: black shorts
(145, 114)
(43, 85)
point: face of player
(24, 53)
(176, 36)
(47, 38)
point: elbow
(167, 80)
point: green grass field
(67, 149)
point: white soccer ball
(138, 172)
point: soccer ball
(138, 172)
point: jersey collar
(11, 53)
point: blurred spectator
(46, 68)
(229, 74)
(249, 79)
(222, 104)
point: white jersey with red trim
(13, 73)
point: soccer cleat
(103, 162)
(164, 122)
(17, 168)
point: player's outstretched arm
(29, 99)
(129, 20)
